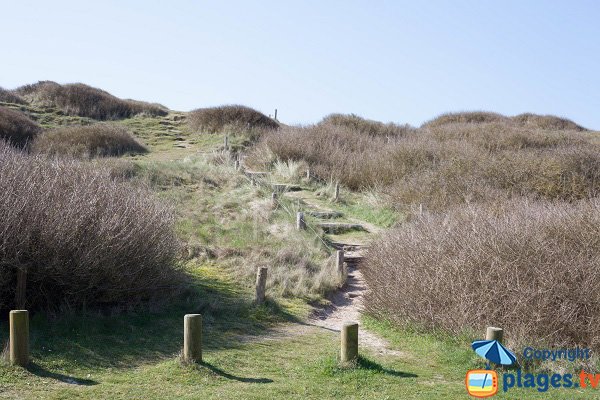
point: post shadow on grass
(365, 363)
(227, 375)
(40, 371)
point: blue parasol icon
(492, 350)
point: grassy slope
(135, 355)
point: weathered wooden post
(336, 195)
(19, 337)
(349, 342)
(300, 223)
(275, 115)
(493, 333)
(261, 284)
(308, 173)
(237, 165)
(192, 338)
(274, 199)
(21, 287)
(339, 263)
(421, 209)
(226, 142)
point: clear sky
(401, 61)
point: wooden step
(329, 214)
(339, 227)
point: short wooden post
(237, 165)
(275, 115)
(261, 284)
(308, 173)
(192, 338)
(19, 337)
(493, 333)
(339, 263)
(21, 287)
(300, 223)
(274, 199)
(421, 210)
(226, 142)
(349, 342)
(336, 195)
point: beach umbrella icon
(493, 351)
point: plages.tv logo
(484, 382)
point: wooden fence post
(308, 173)
(339, 264)
(275, 115)
(19, 337)
(421, 210)
(226, 142)
(261, 284)
(336, 195)
(493, 333)
(300, 223)
(237, 165)
(192, 338)
(349, 342)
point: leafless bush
(232, 117)
(532, 268)
(466, 117)
(444, 165)
(84, 238)
(86, 101)
(16, 128)
(550, 122)
(8, 96)
(98, 140)
(366, 126)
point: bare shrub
(469, 117)
(98, 140)
(229, 117)
(86, 101)
(530, 267)
(8, 96)
(16, 128)
(443, 165)
(366, 126)
(84, 238)
(549, 122)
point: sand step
(339, 227)
(285, 187)
(329, 214)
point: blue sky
(401, 61)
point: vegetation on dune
(230, 118)
(9, 96)
(366, 126)
(16, 128)
(530, 267)
(84, 238)
(97, 140)
(86, 101)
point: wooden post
(261, 284)
(274, 199)
(421, 210)
(237, 165)
(226, 142)
(300, 223)
(336, 195)
(339, 263)
(349, 342)
(493, 333)
(308, 173)
(19, 337)
(21, 287)
(275, 115)
(192, 338)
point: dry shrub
(443, 165)
(84, 238)
(366, 126)
(98, 140)
(86, 101)
(469, 117)
(531, 268)
(229, 117)
(549, 122)
(8, 96)
(16, 128)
